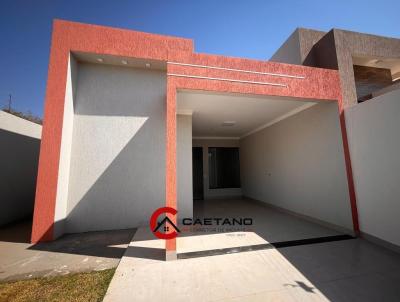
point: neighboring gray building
(366, 63)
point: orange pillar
(50, 146)
(170, 181)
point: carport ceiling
(226, 115)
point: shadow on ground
(108, 244)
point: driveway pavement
(344, 270)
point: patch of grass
(74, 287)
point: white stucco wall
(184, 166)
(65, 150)
(19, 156)
(298, 164)
(205, 144)
(373, 130)
(117, 173)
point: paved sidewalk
(72, 253)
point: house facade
(136, 121)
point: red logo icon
(166, 224)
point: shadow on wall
(116, 176)
(107, 204)
(117, 172)
(19, 156)
(125, 194)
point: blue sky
(251, 29)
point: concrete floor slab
(269, 225)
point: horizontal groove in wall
(227, 80)
(239, 70)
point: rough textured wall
(289, 52)
(351, 43)
(184, 166)
(323, 52)
(297, 47)
(308, 38)
(374, 141)
(334, 50)
(298, 164)
(117, 176)
(216, 193)
(19, 155)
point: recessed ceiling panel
(226, 115)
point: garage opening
(277, 161)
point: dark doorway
(224, 167)
(198, 173)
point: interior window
(224, 167)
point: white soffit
(250, 113)
(148, 64)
